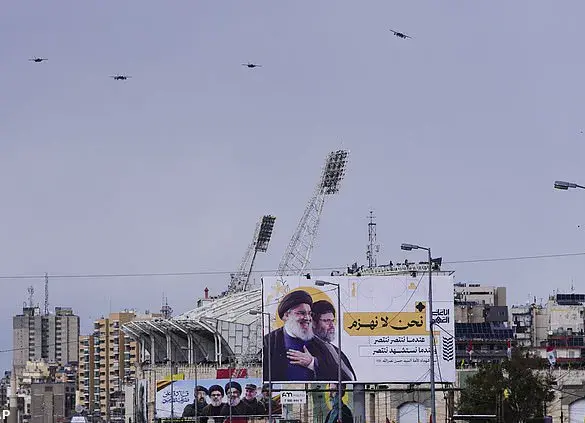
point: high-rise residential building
(107, 361)
(52, 337)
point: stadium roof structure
(226, 320)
(231, 308)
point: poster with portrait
(385, 329)
(325, 402)
(180, 394)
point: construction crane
(297, 256)
(240, 280)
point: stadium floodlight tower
(297, 255)
(240, 280)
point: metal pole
(196, 388)
(339, 390)
(432, 341)
(250, 270)
(269, 373)
(172, 387)
(230, 385)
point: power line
(517, 258)
(268, 271)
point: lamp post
(264, 313)
(566, 185)
(409, 247)
(171, 370)
(151, 371)
(339, 390)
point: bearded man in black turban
(296, 353)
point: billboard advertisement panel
(385, 324)
(183, 396)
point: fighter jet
(251, 65)
(37, 59)
(400, 34)
(120, 77)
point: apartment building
(482, 331)
(107, 362)
(559, 323)
(52, 338)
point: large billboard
(385, 329)
(180, 397)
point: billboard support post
(409, 247)
(269, 374)
(339, 390)
(432, 338)
(263, 313)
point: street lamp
(409, 247)
(151, 371)
(255, 313)
(566, 185)
(339, 390)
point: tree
(519, 384)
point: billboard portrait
(325, 403)
(212, 397)
(385, 329)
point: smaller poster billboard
(189, 398)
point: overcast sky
(456, 137)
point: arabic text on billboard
(385, 329)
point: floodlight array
(265, 233)
(334, 171)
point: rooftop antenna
(31, 293)
(166, 309)
(46, 293)
(373, 248)
(572, 286)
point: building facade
(52, 402)
(5, 390)
(52, 338)
(482, 331)
(559, 324)
(107, 362)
